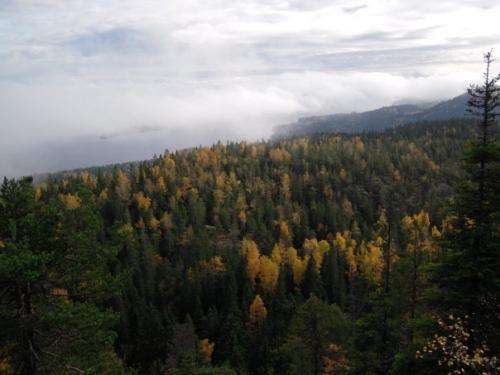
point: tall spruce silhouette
(467, 278)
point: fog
(87, 83)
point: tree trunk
(29, 354)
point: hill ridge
(374, 120)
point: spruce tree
(54, 284)
(467, 278)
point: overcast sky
(85, 82)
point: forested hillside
(375, 120)
(304, 256)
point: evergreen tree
(53, 282)
(316, 339)
(468, 276)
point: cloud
(179, 73)
(116, 40)
(354, 8)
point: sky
(93, 82)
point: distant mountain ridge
(375, 120)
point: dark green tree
(317, 339)
(53, 284)
(467, 278)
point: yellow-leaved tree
(316, 249)
(122, 187)
(257, 312)
(217, 264)
(421, 247)
(251, 251)
(298, 265)
(277, 254)
(206, 350)
(143, 202)
(268, 273)
(70, 201)
(371, 259)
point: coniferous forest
(370, 253)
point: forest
(369, 253)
